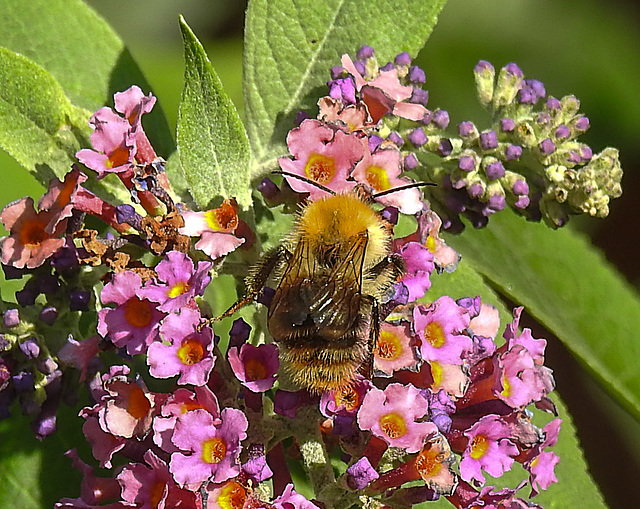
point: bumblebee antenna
(402, 188)
(305, 179)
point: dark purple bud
(472, 304)
(426, 119)
(417, 137)
(343, 425)
(562, 132)
(365, 52)
(27, 296)
(582, 124)
(390, 214)
(49, 315)
(538, 87)
(522, 202)
(239, 333)
(475, 190)
(467, 163)
(374, 142)
(301, 116)
(403, 59)
(416, 75)
(574, 157)
(483, 66)
(387, 67)
(336, 71)
(270, 190)
(47, 366)
(127, 214)
(65, 260)
(520, 187)
(526, 96)
(410, 162)
(512, 68)
(12, 273)
(79, 299)
(44, 426)
(507, 125)
(488, 140)
(419, 96)
(23, 382)
(494, 170)
(49, 284)
(11, 318)
(547, 147)
(441, 119)
(466, 129)
(553, 104)
(266, 296)
(360, 67)
(394, 137)
(446, 147)
(30, 348)
(513, 152)
(586, 154)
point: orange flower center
(348, 397)
(389, 346)
(118, 157)
(139, 404)
(213, 450)
(479, 446)
(32, 233)
(232, 496)
(378, 178)
(138, 312)
(156, 492)
(429, 462)
(393, 425)
(255, 369)
(190, 352)
(434, 334)
(223, 218)
(320, 168)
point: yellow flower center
(178, 289)
(377, 178)
(232, 496)
(393, 425)
(224, 218)
(320, 168)
(348, 397)
(479, 446)
(213, 450)
(434, 334)
(389, 346)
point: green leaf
(212, 142)
(85, 56)
(290, 45)
(39, 127)
(566, 284)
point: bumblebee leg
(393, 265)
(374, 333)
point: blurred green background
(590, 49)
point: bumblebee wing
(337, 303)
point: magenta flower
(346, 401)
(489, 449)
(255, 366)
(132, 103)
(134, 322)
(419, 263)
(541, 466)
(535, 347)
(291, 499)
(440, 328)
(180, 282)
(393, 415)
(324, 155)
(184, 351)
(212, 451)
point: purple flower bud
(466, 129)
(553, 104)
(562, 132)
(513, 153)
(543, 119)
(126, 214)
(574, 157)
(488, 140)
(266, 296)
(467, 163)
(27, 296)
(49, 315)
(520, 187)
(441, 119)
(472, 304)
(522, 202)
(403, 59)
(497, 202)
(586, 154)
(494, 170)
(79, 299)
(475, 190)
(374, 142)
(417, 137)
(336, 71)
(30, 348)
(301, 116)
(411, 162)
(512, 68)
(394, 137)
(419, 96)
(360, 67)
(23, 382)
(547, 147)
(269, 189)
(365, 52)
(49, 284)
(360, 474)
(11, 318)
(582, 124)
(416, 75)
(446, 147)
(387, 67)
(507, 125)
(344, 425)
(47, 366)
(538, 87)
(65, 261)
(343, 89)
(11, 272)
(390, 214)
(483, 66)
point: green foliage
(212, 143)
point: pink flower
(345, 401)
(440, 328)
(180, 282)
(535, 347)
(134, 322)
(211, 451)
(61, 196)
(324, 155)
(542, 464)
(290, 499)
(184, 351)
(395, 348)
(393, 415)
(489, 449)
(419, 264)
(79, 353)
(255, 366)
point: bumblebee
(331, 271)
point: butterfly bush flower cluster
(179, 418)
